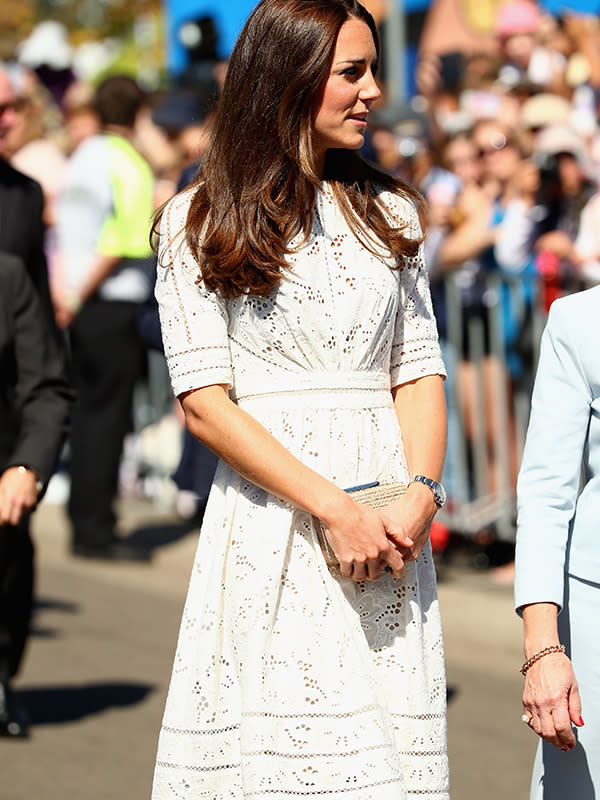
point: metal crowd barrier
(493, 438)
(475, 501)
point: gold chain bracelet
(553, 648)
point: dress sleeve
(415, 348)
(548, 483)
(193, 319)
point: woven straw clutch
(375, 495)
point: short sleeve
(193, 319)
(415, 347)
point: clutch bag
(377, 495)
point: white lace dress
(287, 682)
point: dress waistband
(319, 390)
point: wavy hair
(257, 186)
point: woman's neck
(320, 164)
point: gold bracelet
(552, 648)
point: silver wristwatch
(439, 493)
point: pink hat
(517, 16)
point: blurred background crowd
(489, 109)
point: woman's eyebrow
(355, 61)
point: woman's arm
(547, 491)
(473, 235)
(550, 696)
(356, 533)
(421, 410)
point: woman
(557, 558)
(302, 346)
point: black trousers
(107, 358)
(16, 594)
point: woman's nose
(370, 90)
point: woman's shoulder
(576, 308)
(172, 225)
(175, 211)
(574, 320)
(401, 209)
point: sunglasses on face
(13, 105)
(497, 144)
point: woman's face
(462, 159)
(571, 176)
(340, 120)
(500, 157)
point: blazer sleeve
(549, 478)
(36, 258)
(42, 394)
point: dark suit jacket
(35, 396)
(22, 229)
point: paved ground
(97, 668)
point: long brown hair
(257, 186)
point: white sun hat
(46, 45)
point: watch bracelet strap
(427, 482)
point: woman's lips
(359, 120)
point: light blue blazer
(558, 489)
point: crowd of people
(502, 143)
(82, 172)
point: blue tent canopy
(229, 17)
(579, 6)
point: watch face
(440, 494)
(438, 490)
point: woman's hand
(559, 243)
(551, 699)
(358, 537)
(409, 519)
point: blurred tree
(136, 24)
(16, 21)
(87, 19)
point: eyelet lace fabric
(287, 682)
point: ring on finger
(526, 719)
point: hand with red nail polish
(551, 694)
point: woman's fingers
(556, 727)
(395, 560)
(359, 572)
(553, 726)
(374, 569)
(575, 706)
(363, 548)
(396, 534)
(406, 529)
(551, 698)
(562, 728)
(370, 569)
